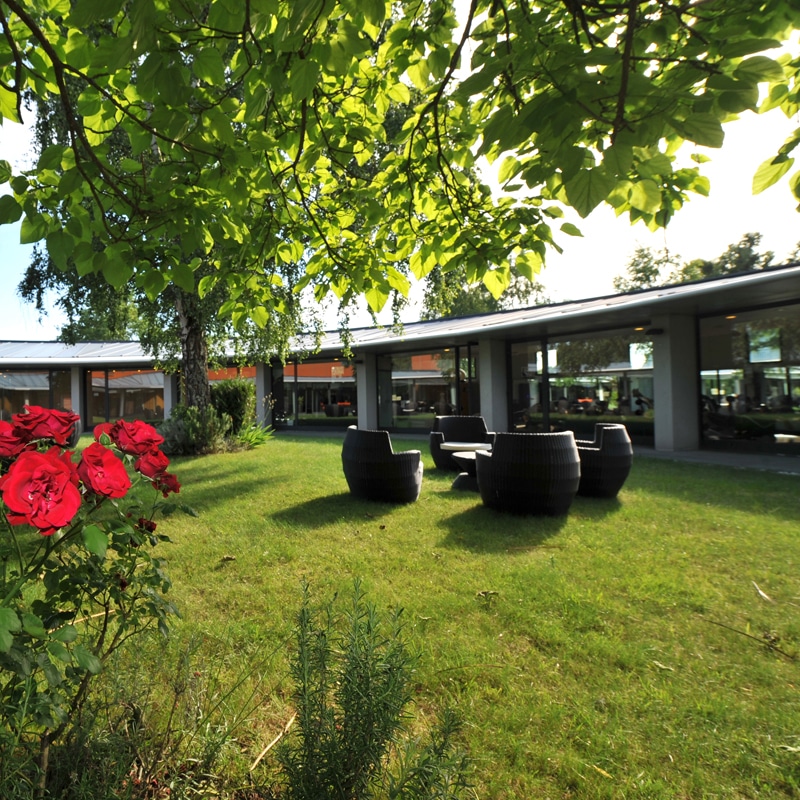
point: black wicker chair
(605, 461)
(456, 429)
(530, 473)
(375, 472)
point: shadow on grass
(323, 511)
(484, 530)
(595, 507)
(208, 494)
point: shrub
(190, 431)
(79, 577)
(353, 676)
(236, 398)
(253, 436)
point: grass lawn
(621, 651)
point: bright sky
(702, 229)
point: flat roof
(51, 355)
(731, 294)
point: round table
(468, 478)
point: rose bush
(77, 572)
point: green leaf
(57, 650)
(183, 277)
(32, 230)
(529, 264)
(8, 105)
(746, 46)
(703, 129)
(770, 172)
(9, 623)
(33, 626)
(587, 189)
(95, 540)
(570, 229)
(496, 281)
(759, 69)
(66, 634)
(87, 12)
(303, 78)
(618, 159)
(10, 209)
(208, 66)
(117, 272)
(50, 158)
(376, 297)
(86, 660)
(374, 10)
(508, 169)
(794, 184)
(646, 196)
(5, 171)
(260, 316)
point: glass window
(413, 388)
(20, 388)
(124, 394)
(320, 392)
(750, 386)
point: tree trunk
(194, 351)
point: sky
(703, 228)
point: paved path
(763, 461)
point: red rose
(135, 438)
(12, 442)
(39, 490)
(166, 482)
(151, 464)
(103, 428)
(102, 472)
(45, 423)
(65, 458)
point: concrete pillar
(366, 367)
(170, 393)
(264, 394)
(493, 376)
(676, 398)
(76, 390)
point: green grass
(600, 655)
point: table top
(463, 446)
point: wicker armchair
(375, 472)
(605, 461)
(456, 429)
(530, 473)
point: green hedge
(235, 397)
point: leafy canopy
(247, 125)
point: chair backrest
(612, 435)
(461, 429)
(360, 442)
(520, 446)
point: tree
(645, 270)
(448, 294)
(245, 123)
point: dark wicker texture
(375, 472)
(455, 429)
(530, 473)
(606, 461)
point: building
(713, 363)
